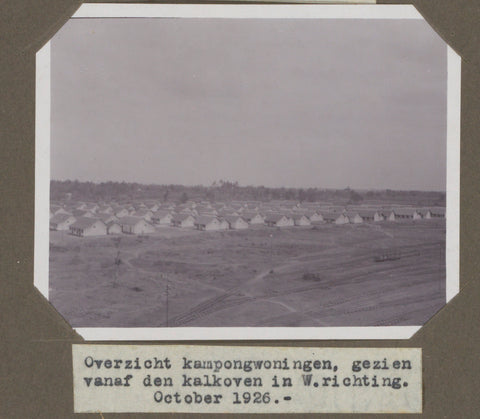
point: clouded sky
(299, 103)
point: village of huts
(84, 219)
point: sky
(273, 102)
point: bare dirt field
(371, 274)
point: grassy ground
(323, 275)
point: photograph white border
(42, 168)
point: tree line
(225, 191)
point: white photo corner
(247, 172)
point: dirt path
(246, 292)
(224, 300)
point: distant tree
(184, 197)
(302, 195)
(355, 197)
(290, 194)
(311, 194)
(210, 195)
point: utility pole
(117, 261)
(117, 264)
(271, 252)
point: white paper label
(226, 379)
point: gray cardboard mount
(35, 342)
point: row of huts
(91, 226)
(87, 219)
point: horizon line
(247, 186)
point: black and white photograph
(252, 172)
